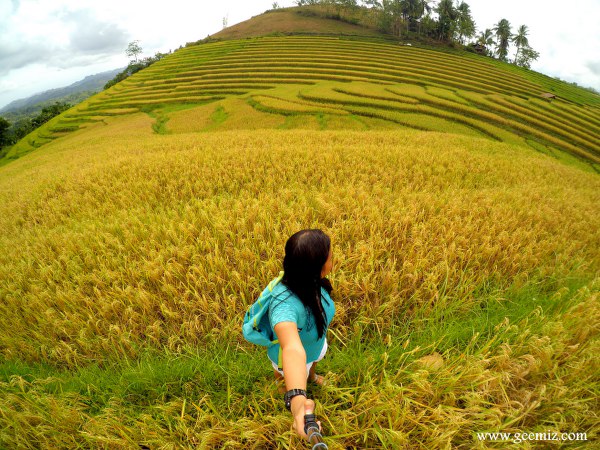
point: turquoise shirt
(286, 307)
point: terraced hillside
(463, 211)
(334, 83)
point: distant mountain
(73, 93)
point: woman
(300, 313)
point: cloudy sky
(46, 44)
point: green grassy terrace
(412, 87)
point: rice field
(451, 93)
(122, 267)
(137, 227)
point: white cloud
(46, 44)
(565, 37)
(91, 36)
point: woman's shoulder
(285, 306)
(284, 294)
(284, 298)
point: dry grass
(156, 245)
(285, 22)
(240, 116)
(108, 254)
(466, 270)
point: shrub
(134, 67)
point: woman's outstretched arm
(294, 369)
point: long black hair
(305, 254)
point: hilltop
(462, 206)
(305, 20)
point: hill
(328, 77)
(74, 93)
(294, 21)
(137, 227)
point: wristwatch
(287, 398)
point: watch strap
(287, 398)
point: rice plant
(466, 274)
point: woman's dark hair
(305, 254)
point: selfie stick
(312, 430)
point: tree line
(11, 133)
(446, 20)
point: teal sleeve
(282, 311)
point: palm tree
(422, 8)
(486, 38)
(466, 24)
(502, 30)
(396, 8)
(447, 16)
(413, 11)
(520, 40)
(405, 7)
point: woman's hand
(301, 406)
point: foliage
(33, 110)
(454, 24)
(134, 67)
(74, 93)
(4, 127)
(48, 113)
(10, 134)
(465, 24)
(503, 33)
(447, 16)
(133, 50)
(526, 57)
(486, 38)
(525, 54)
(5, 139)
(520, 39)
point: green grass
(376, 106)
(161, 114)
(174, 395)
(583, 130)
(372, 69)
(219, 115)
(565, 111)
(395, 56)
(544, 122)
